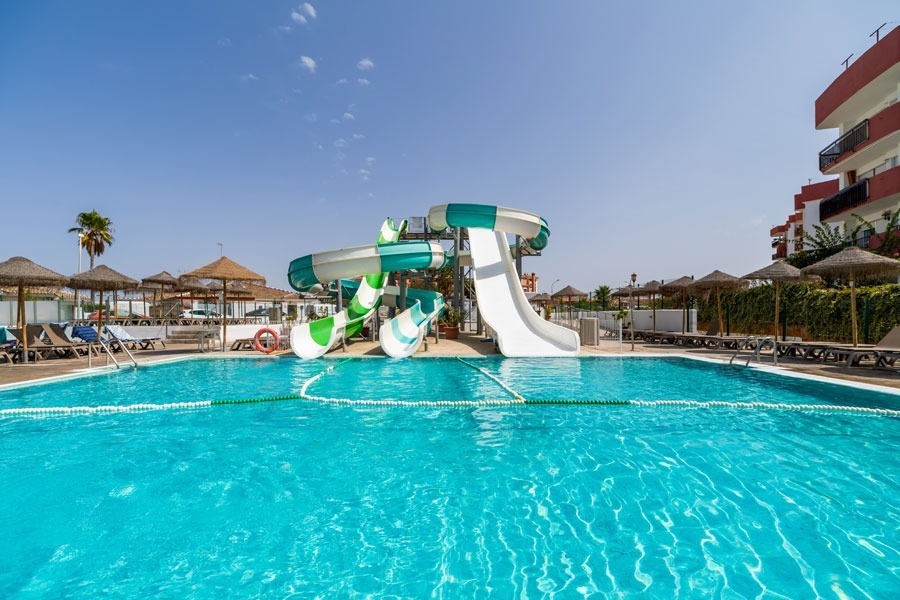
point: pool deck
(468, 344)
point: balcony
(879, 192)
(861, 86)
(849, 197)
(847, 142)
(878, 136)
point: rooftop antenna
(846, 62)
(877, 33)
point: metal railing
(849, 197)
(845, 143)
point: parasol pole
(21, 321)
(719, 307)
(224, 318)
(777, 303)
(100, 314)
(853, 309)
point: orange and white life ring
(266, 349)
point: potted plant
(450, 321)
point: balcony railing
(849, 197)
(845, 143)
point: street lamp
(551, 290)
(631, 306)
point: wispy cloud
(284, 28)
(358, 136)
(363, 81)
(340, 143)
(308, 63)
(303, 13)
(349, 116)
(249, 77)
(365, 64)
(370, 160)
(364, 173)
(224, 42)
(311, 117)
(341, 81)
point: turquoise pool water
(498, 498)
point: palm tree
(602, 296)
(94, 233)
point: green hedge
(813, 313)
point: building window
(864, 236)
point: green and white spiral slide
(518, 329)
(315, 338)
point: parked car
(200, 313)
(119, 314)
(258, 312)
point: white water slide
(519, 330)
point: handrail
(845, 143)
(757, 346)
(851, 196)
(106, 349)
(127, 351)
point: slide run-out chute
(519, 330)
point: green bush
(816, 313)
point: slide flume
(401, 336)
(519, 330)
(315, 338)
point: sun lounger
(62, 345)
(37, 348)
(884, 354)
(88, 334)
(117, 332)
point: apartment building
(863, 105)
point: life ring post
(266, 348)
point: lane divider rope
(518, 398)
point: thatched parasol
(778, 271)
(159, 282)
(681, 286)
(99, 279)
(716, 281)
(854, 262)
(21, 272)
(225, 270)
(569, 292)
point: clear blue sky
(662, 138)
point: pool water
(353, 493)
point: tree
(94, 233)
(890, 239)
(602, 296)
(826, 240)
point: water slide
(401, 336)
(519, 330)
(315, 338)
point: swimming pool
(513, 494)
